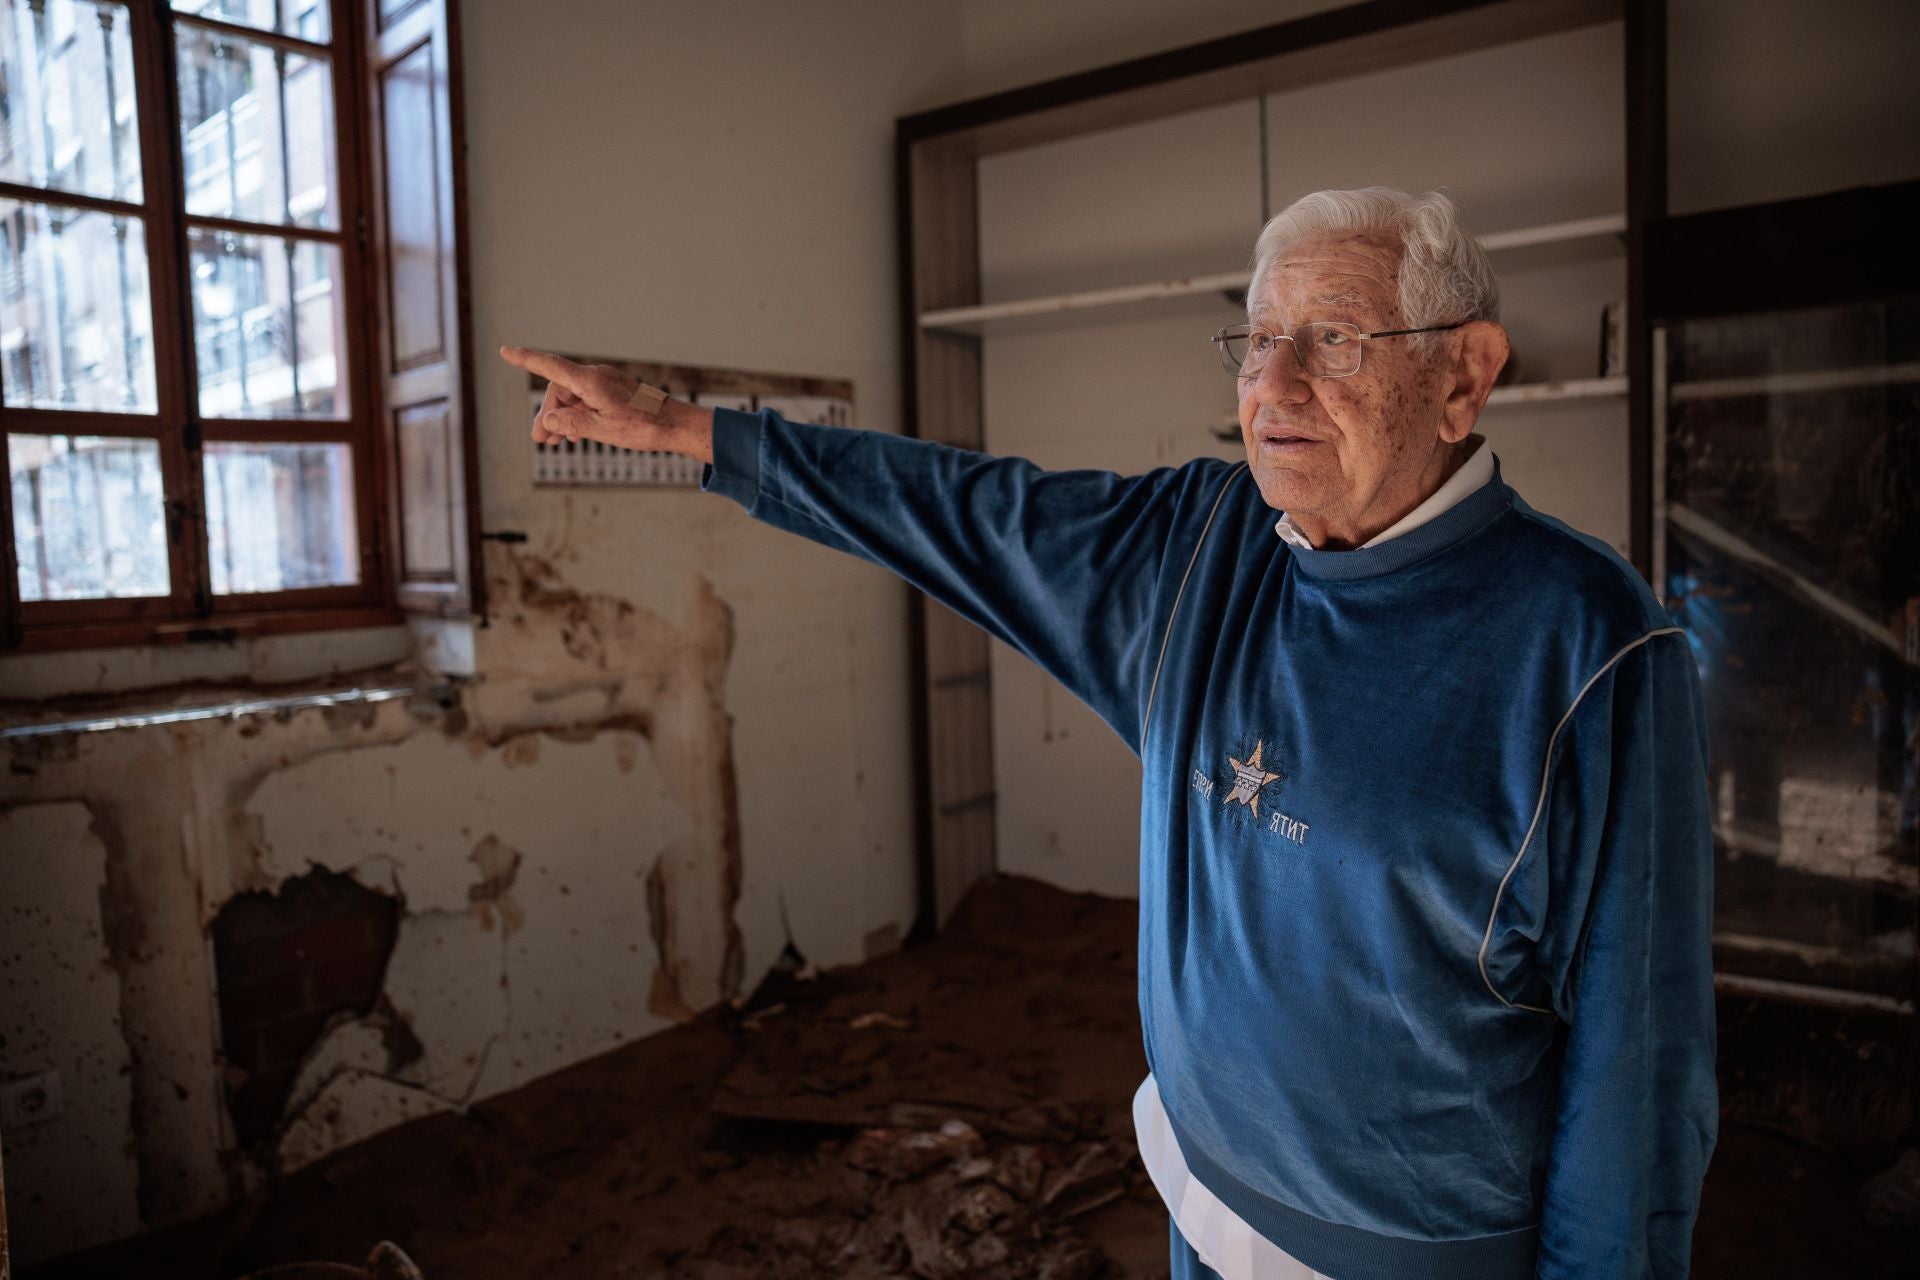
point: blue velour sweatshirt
(1425, 856)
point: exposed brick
(286, 1040)
(255, 1104)
(302, 944)
(287, 962)
(261, 997)
(248, 956)
(347, 981)
(325, 939)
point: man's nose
(1281, 380)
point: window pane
(66, 98)
(266, 326)
(304, 18)
(76, 325)
(280, 517)
(256, 131)
(88, 517)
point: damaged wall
(746, 220)
(561, 844)
(688, 744)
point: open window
(232, 339)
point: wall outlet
(31, 1100)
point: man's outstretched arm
(1061, 565)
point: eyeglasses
(1324, 348)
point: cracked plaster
(521, 830)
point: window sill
(47, 637)
(141, 710)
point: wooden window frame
(361, 33)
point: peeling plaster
(558, 659)
(664, 998)
(426, 1047)
(498, 865)
(193, 813)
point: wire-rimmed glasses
(1324, 348)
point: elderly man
(1425, 862)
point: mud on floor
(958, 1108)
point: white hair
(1444, 273)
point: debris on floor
(937, 1203)
(960, 1109)
(1892, 1197)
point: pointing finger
(549, 366)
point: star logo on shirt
(1250, 777)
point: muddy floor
(959, 1108)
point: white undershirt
(1220, 1236)
(1468, 476)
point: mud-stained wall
(563, 841)
(688, 743)
(563, 838)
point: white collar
(1466, 478)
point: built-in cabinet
(1068, 247)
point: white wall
(1769, 99)
(1010, 43)
(1778, 99)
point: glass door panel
(1788, 546)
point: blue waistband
(1350, 1253)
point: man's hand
(590, 402)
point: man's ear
(1478, 351)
